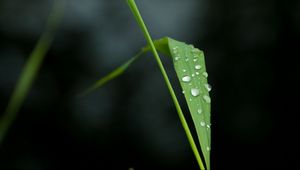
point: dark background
(251, 49)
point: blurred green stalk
(30, 70)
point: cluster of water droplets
(186, 78)
(176, 53)
(197, 73)
(195, 91)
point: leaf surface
(189, 64)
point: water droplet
(186, 78)
(191, 45)
(190, 99)
(208, 148)
(202, 123)
(195, 59)
(208, 126)
(184, 70)
(183, 91)
(199, 111)
(195, 50)
(197, 67)
(197, 73)
(174, 49)
(193, 75)
(208, 87)
(195, 92)
(177, 58)
(205, 74)
(206, 99)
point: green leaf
(189, 64)
(197, 96)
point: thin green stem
(142, 25)
(117, 72)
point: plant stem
(142, 25)
(117, 72)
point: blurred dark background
(251, 49)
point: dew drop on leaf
(186, 78)
(199, 111)
(202, 123)
(206, 98)
(195, 92)
(197, 67)
(205, 74)
(208, 87)
(195, 50)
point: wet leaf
(189, 64)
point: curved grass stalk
(142, 25)
(30, 70)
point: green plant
(189, 64)
(30, 70)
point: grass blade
(161, 45)
(114, 74)
(144, 29)
(189, 64)
(121, 69)
(30, 70)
